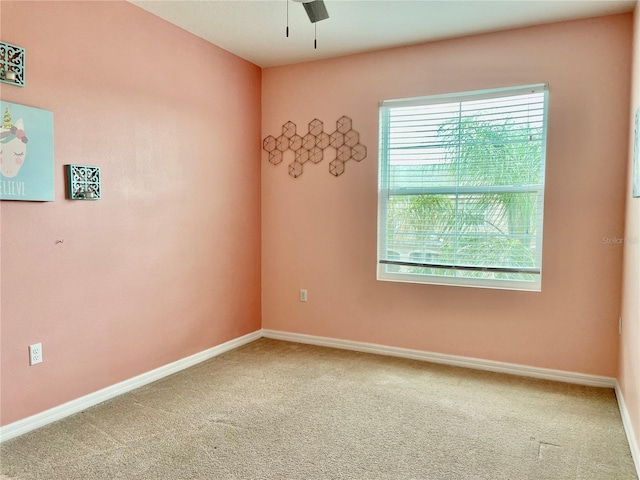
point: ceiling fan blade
(316, 10)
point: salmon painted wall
(630, 341)
(167, 263)
(319, 231)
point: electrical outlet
(35, 353)
(303, 295)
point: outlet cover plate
(35, 353)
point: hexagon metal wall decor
(311, 146)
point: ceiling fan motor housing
(316, 9)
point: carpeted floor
(278, 410)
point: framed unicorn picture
(26, 153)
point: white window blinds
(461, 188)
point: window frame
(384, 193)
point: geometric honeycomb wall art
(310, 148)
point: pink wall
(319, 232)
(167, 263)
(630, 341)
(147, 275)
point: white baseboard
(44, 418)
(74, 406)
(454, 360)
(628, 428)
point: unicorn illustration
(13, 146)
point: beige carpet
(277, 410)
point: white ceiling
(255, 30)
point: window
(461, 188)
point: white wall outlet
(35, 353)
(303, 295)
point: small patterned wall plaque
(12, 61)
(84, 182)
